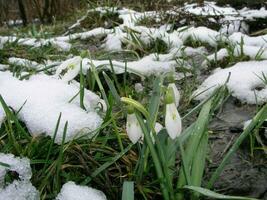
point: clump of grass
(96, 19)
(136, 44)
(180, 19)
(148, 21)
(192, 42)
(13, 49)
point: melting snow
(19, 189)
(238, 38)
(45, 98)
(253, 52)
(71, 191)
(202, 34)
(245, 82)
(32, 42)
(209, 8)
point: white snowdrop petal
(173, 121)
(72, 66)
(133, 128)
(176, 93)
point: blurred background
(46, 11)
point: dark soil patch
(246, 174)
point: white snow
(244, 83)
(209, 8)
(19, 165)
(71, 191)
(19, 189)
(46, 97)
(253, 52)
(260, 41)
(202, 34)
(24, 62)
(32, 42)
(232, 24)
(3, 66)
(251, 14)
(144, 67)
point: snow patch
(19, 189)
(244, 82)
(46, 97)
(71, 191)
(238, 38)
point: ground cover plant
(127, 102)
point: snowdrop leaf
(215, 195)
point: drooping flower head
(173, 122)
(133, 128)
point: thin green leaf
(112, 88)
(106, 165)
(209, 193)
(128, 190)
(136, 105)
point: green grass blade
(199, 129)
(112, 88)
(209, 193)
(101, 88)
(198, 164)
(106, 165)
(82, 86)
(154, 155)
(128, 190)
(154, 101)
(4, 165)
(60, 157)
(52, 142)
(14, 118)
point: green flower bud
(130, 109)
(169, 97)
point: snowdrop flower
(133, 128)
(173, 122)
(72, 66)
(176, 93)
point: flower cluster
(173, 122)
